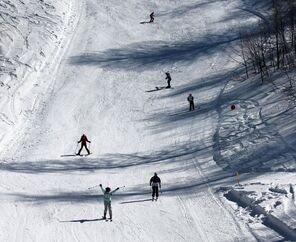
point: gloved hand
(117, 188)
(100, 185)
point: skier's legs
(191, 108)
(110, 210)
(86, 149)
(105, 208)
(156, 191)
(80, 150)
(83, 145)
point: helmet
(108, 189)
(155, 174)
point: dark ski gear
(151, 17)
(155, 183)
(168, 78)
(190, 99)
(83, 141)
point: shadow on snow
(144, 55)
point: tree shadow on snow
(144, 55)
(168, 155)
(184, 10)
(82, 220)
(275, 153)
(136, 201)
(141, 192)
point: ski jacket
(190, 98)
(108, 195)
(83, 140)
(155, 181)
(168, 77)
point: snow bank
(32, 35)
(269, 220)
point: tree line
(271, 45)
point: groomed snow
(100, 79)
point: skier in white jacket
(107, 200)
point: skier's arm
(114, 190)
(79, 141)
(159, 183)
(102, 188)
(150, 182)
(88, 140)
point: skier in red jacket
(83, 141)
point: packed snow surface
(88, 66)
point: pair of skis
(107, 219)
(76, 155)
(83, 155)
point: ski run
(97, 96)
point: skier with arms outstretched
(83, 141)
(107, 200)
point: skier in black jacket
(155, 183)
(190, 99)
(168, 78)
(151, 17)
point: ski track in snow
(98, 83)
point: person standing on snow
(190, 99)
(168, 78)
(155, 183)
(151, 17)
(83, 141)
(107, 200)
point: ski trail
(191, 222)
(99, 89)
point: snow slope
(104, 86)
(33, 35)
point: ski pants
(155, 191)
(107, 206)
(191, 106)
(169, 84)
(83, 145)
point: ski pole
(93, 187)
(76, 148)
(121, 187)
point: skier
(168, 78)
(190, 99)
(83, 141)
(107, 200)
(155, 183)
(151, 17)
